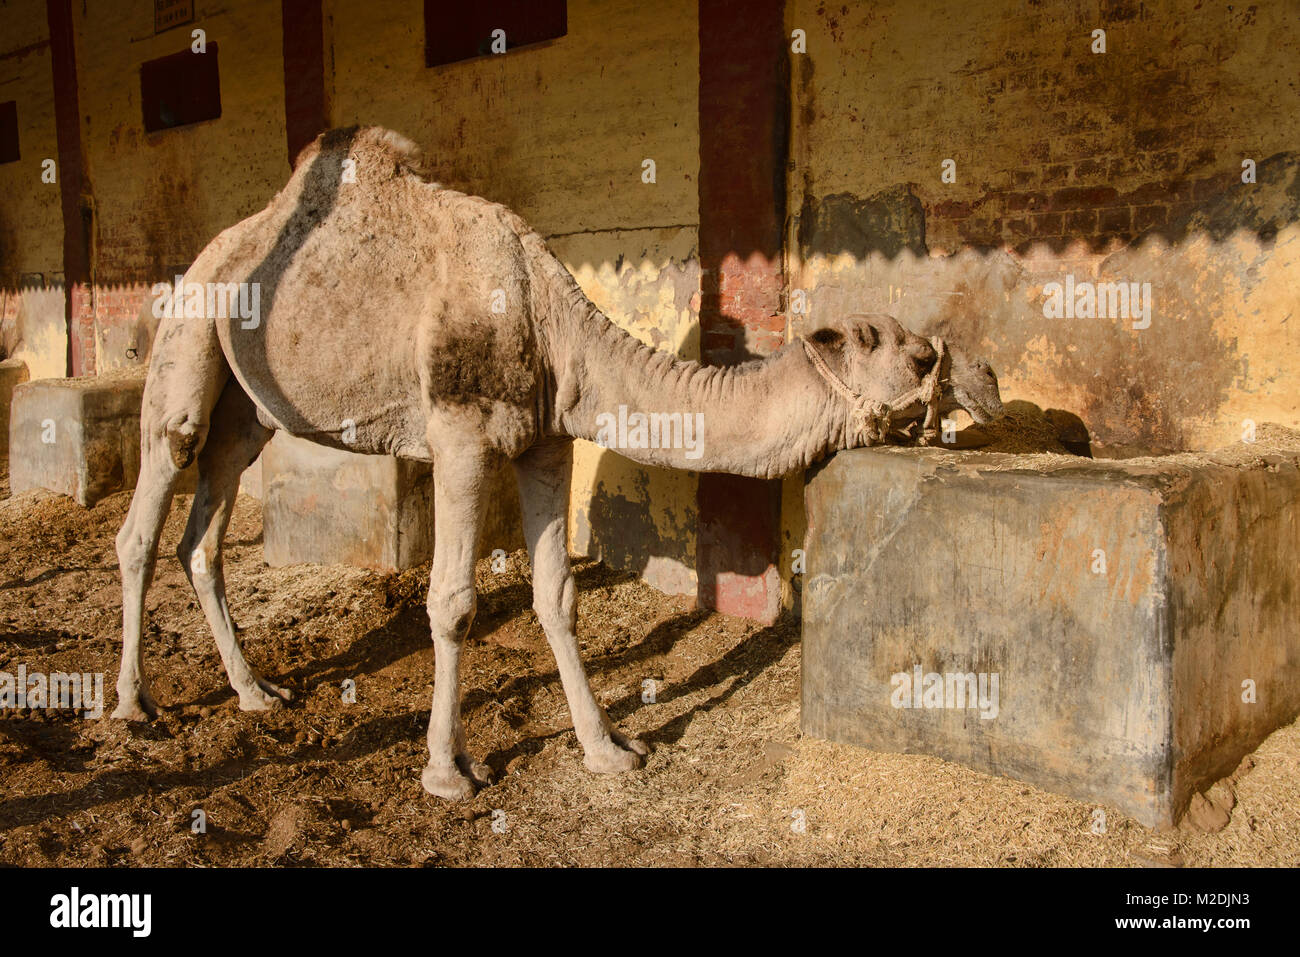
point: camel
(439, 327)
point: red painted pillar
(78, 311)
(743, 148)
(305, 109)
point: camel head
(886, 366)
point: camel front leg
(459, 480)
(543, 473)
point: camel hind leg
(186, 375)
(234, 440)
(137, 552)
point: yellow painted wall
(31, 220)
(555, 131)
(885, 92)
(31, 224)
(558, 132)
(161, 197)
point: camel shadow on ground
(743, 663)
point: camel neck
(766, 418)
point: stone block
(12, 372)
(1126, 629)
(80, 437)
(250, 483)
(326, 506)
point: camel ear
(828, 338)
(866, 335)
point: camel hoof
(263, 696)
(447, 783)
(616, 755)
(135, 706)
(130, 711)
(262, 701)
(478, 772)
(631, 744)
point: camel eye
(867, 336)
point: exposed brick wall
(1016, 96)
(1059, 211)
(119, 338)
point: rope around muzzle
(870, 422)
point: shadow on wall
(639, 518)
(1200, 337)
(894, 221)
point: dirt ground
(327, 783)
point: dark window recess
(455, 31)
(180, 89)
(9, 131)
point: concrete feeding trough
(327, 506)
(80, 437)
(1121, 631)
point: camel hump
(376, 154)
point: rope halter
(870, 422)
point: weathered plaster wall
(629, 515)
(558, 132)
(1116, 166)
(31, 225)
(1063, 159)
(161, 197)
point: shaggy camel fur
(440, 328)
